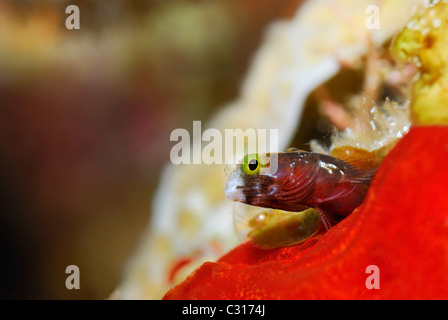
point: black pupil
(253, 164)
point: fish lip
(234, 188)
(236, 193)
(233, 192)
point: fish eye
(251, 164)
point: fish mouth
(235, 195)
(234, 192)
(256, 194)
(240, 193)
(234, 188)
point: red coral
(402, 228)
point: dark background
(85, 118)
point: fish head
(262, 179)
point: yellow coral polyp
(424, 42)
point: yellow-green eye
(251, 164)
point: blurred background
(85, 119)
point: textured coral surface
(402, 228)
